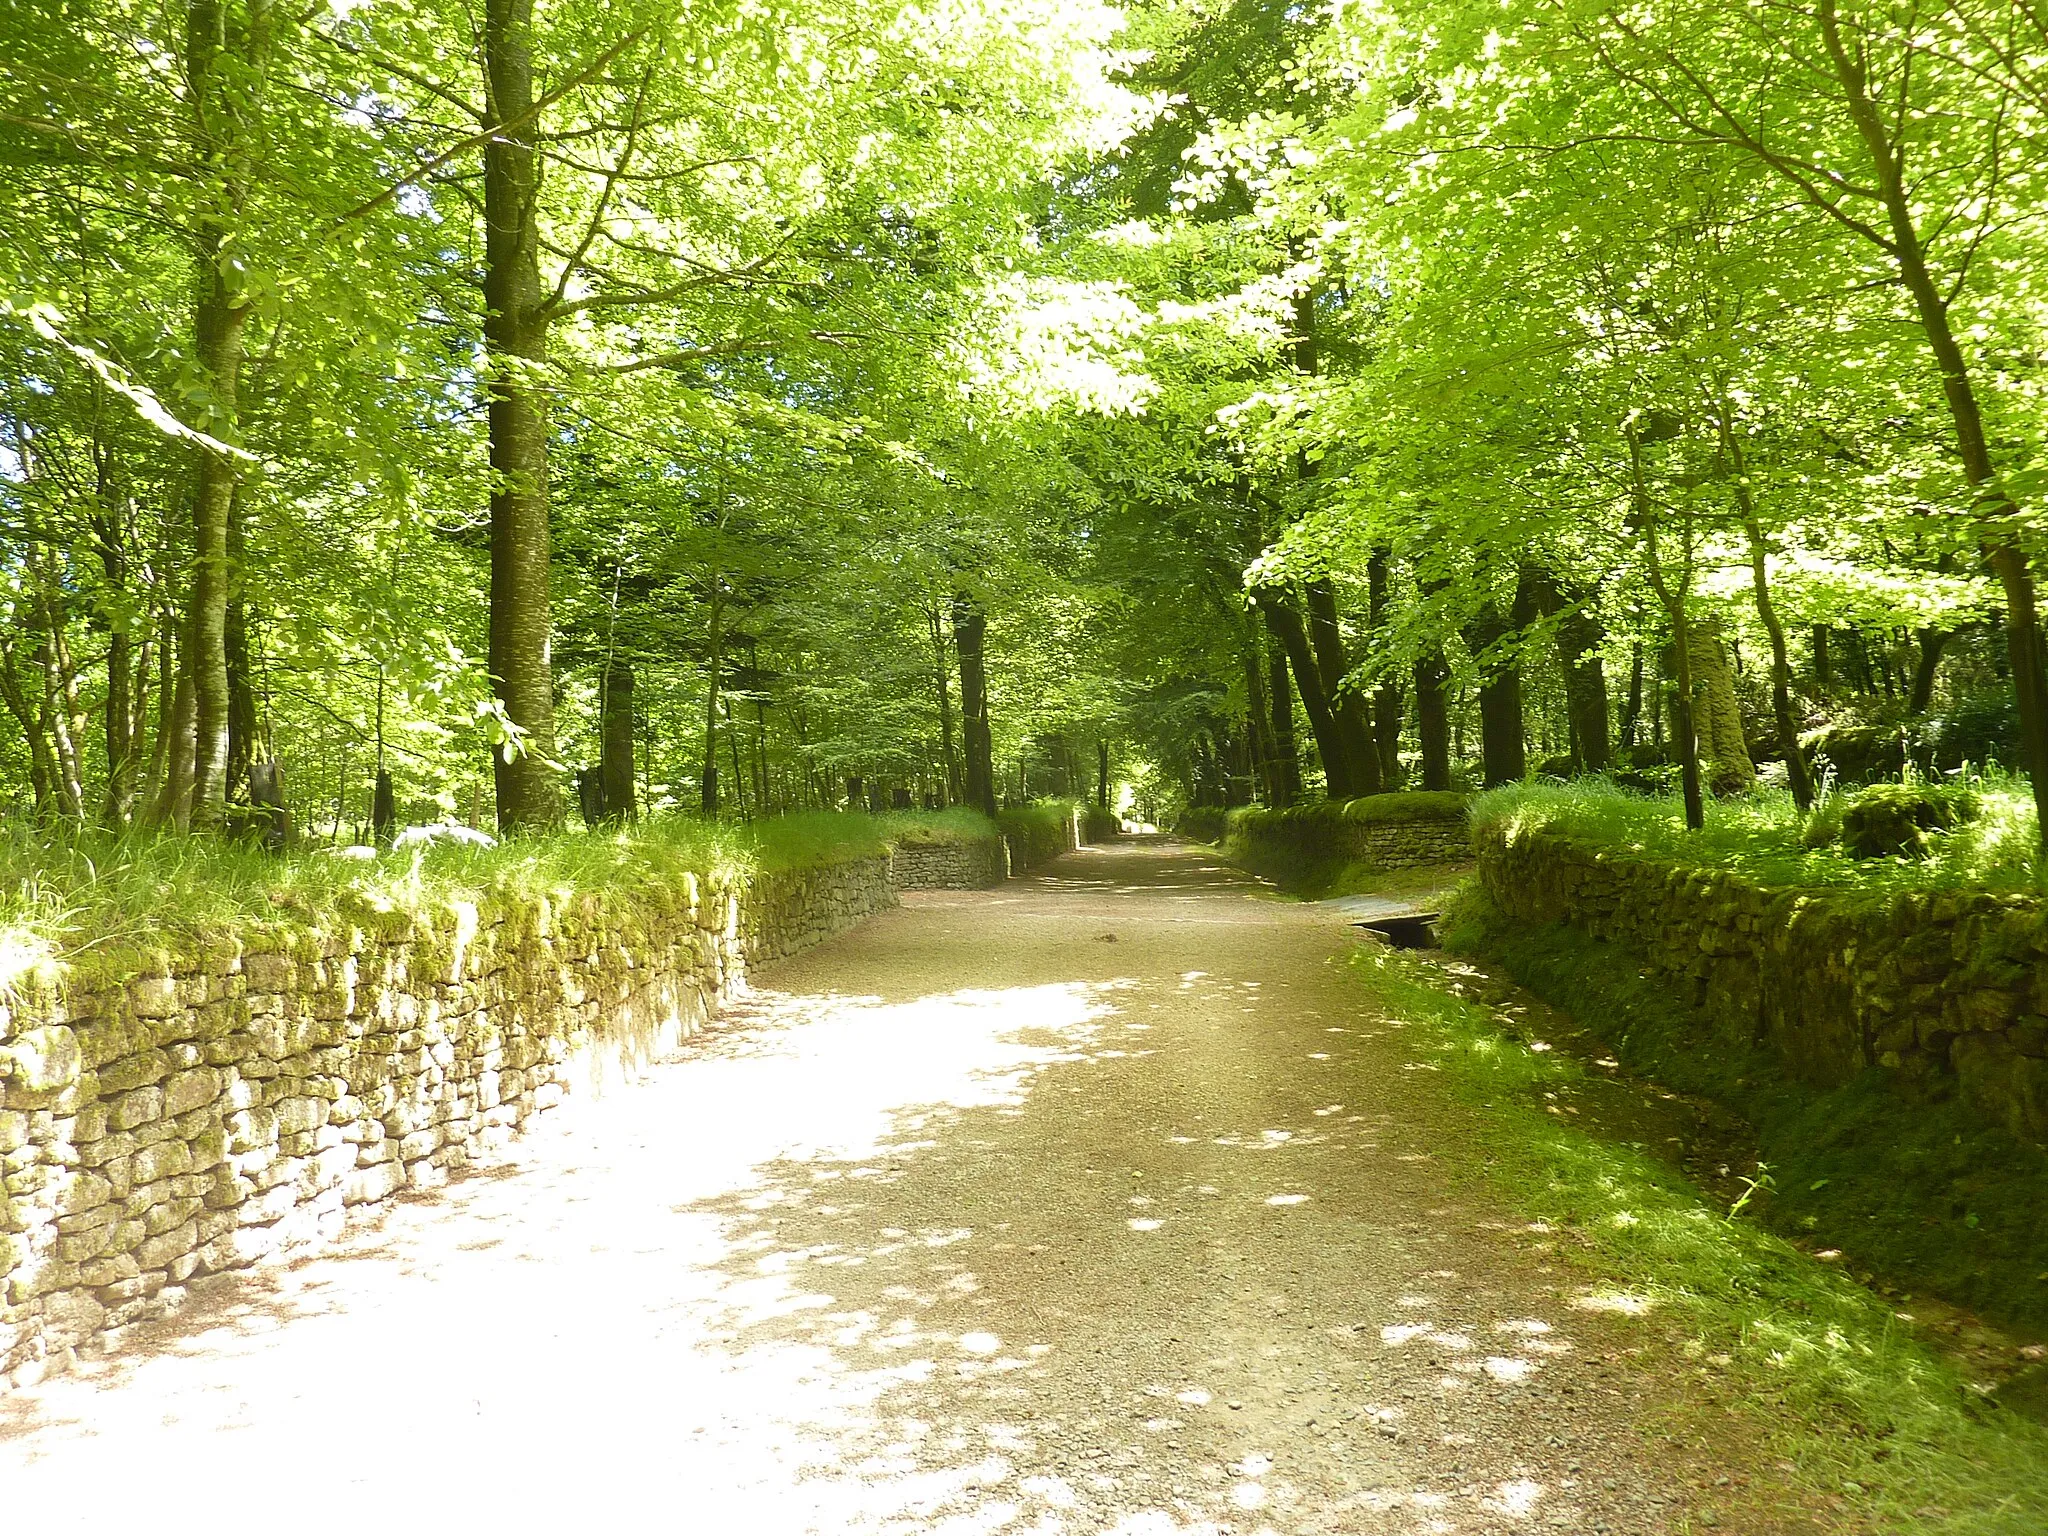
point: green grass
(67, 900)
(957, 824)
(1863, 1410)
(1764, 836)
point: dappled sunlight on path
(1066, 1208)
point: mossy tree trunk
(515, 339)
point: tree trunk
(1927, 667)
(122, 722)
(1386, 699)
(970, 635)
(242, 745)
(1280, 708)
(60, 692)
(1258, 725)
(1433, 717)
(1347, 704)
(219, 97)
(1796, 770)
(1286, 626)
(515, 340)
(953, 790)
(708, 794)
(1716, 719)
(1823, 667)
(615, 741)
(1502, 744)
(42, 773)
(1102, 774)
(1997, 538)
(383, 809)
(1632, 708)
(1580, 637)
(149, 794)
(174, 809)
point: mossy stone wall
(179, 1112)
(969, 866)
(1947, 987)
(1430, 829)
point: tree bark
(515, 340)
(1798, 775)
(1716, 719)
(708, 792)
(219, 96)
(1280, 707)
(1926, 667)
(122, 722)
(615, 741)
(1580, 637)
(1503, 751)
(242, 744)
(970, 636)
(1386, 699)
(1433, 717)
(1286, 626)
(954, 790)
(1101, 774)
(1632, 707)
(1347, 704)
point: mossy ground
(1866, 1412)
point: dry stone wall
(181, 1113)
(971, 866)
(1947, 987)
(1409, 844)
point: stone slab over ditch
(212, 1110)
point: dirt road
(1103, 1202)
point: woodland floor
(1102, 1202)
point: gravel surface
(1101, 1202)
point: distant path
(1094, 1203)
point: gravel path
(1098, 1203)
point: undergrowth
(1764, 835)
(1861, 1408)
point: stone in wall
(177, 1114)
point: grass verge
(1764, 836)
(65, 901)
(1863, 1411)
